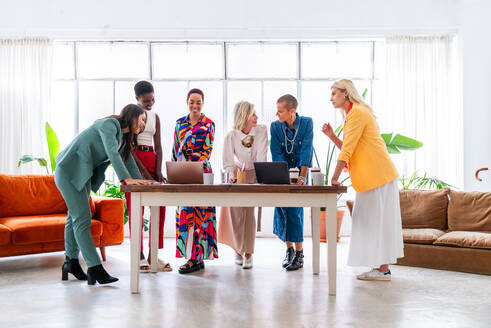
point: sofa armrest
(110, 211)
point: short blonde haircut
(354, 97)
(243, 111)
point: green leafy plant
(416, 181)
(397, 143)
(53, 148)
(29, 158)
(114, 191)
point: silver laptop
(184, 172)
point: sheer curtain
(25, 77)
(422, 100)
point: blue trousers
(288, 224)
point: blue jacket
(91, 152)
(302, 152)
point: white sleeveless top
(146, 137)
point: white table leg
(136, 226)
(331, 226)
(154, 251)
(315, 211)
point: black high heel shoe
(72, 266)
(97, 273)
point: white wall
(475, 29)
(154, 19)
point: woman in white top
(245, 144)
(148, 157)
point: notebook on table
(272, 172)
(184, 172)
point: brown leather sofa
(446, 229)
(33, 215)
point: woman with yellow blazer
(376, 237)
(81, 168)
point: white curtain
(422, 100)
(25, 77)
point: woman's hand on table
(336, 183)
(159, 177)
(301, 181)
(130, 181)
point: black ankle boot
(72, 266)
(97, 273)
(297, 262)
(290, 253)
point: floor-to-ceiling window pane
(112, 60)
(187, 60)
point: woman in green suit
(81, 168)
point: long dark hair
(128, 115)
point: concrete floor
(224, 295)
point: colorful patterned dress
(195, 226)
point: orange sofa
(33, 215)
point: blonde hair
(353, 96)
(243, 111)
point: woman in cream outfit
(376, 238)
(245, 144)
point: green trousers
(77, 228)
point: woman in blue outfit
(291, 142)
(80, 169)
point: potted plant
(394, 145)
(53, 148)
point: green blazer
(91, 152)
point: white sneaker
(247, 263)
(239, 259)
(374, 274)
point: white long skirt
(376, 236)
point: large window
(96, 79)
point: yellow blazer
(369, 163)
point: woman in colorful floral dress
(195, 226)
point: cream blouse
(235, 154)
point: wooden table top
(240, 188)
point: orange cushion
(5, 235)
(469, 239)
(421, 236)
(41, 228)
(29, 195)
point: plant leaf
(53, 145)
(316, 159)
(405, 143)
(393, 149)
(363, 95)
(387, 137)
(29, 158)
